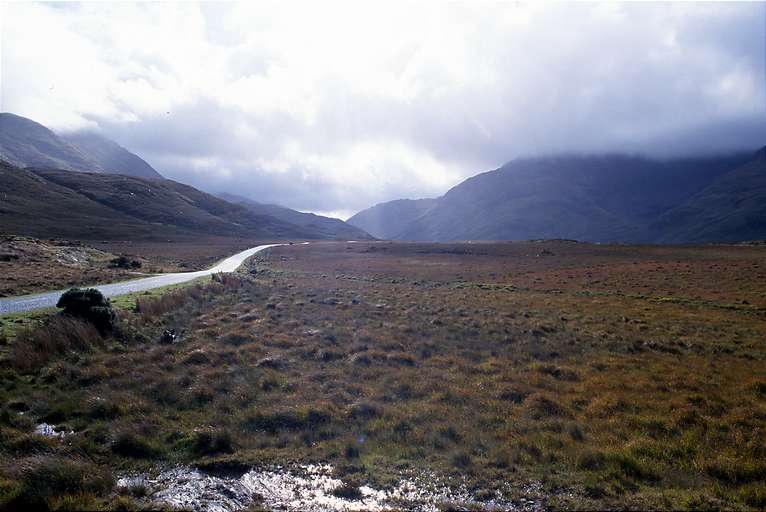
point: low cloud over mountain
(306, 109)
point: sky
(332, 107)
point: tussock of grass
(50, 483)
(37, 345)
(134, 445)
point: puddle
(310, 488)
(47, 430)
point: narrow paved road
(49, 299)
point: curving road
(49, 299)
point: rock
(168, 336)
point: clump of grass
(462, 460)
(210, 442)
(556, 372)
(733, 471)
(36, 346)
(753, 495)
(348, 491)
(102, 409)
(133, 445)
(230, 281)
(591, 459)
(47, 482)
(236, 338)
(539, 406)
(286, 420)
(623, 462)
(151, 308)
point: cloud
(335, 106)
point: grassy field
(617, 376)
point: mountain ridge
(598, 198)
(96, 206)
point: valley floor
(600, 376)
(29, 265)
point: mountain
(110, 156)
(605, 198)
(731, 209)
(25, 143)
(94, 206)
(327, 227)
(387, 220)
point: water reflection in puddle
(309, 488)
(47, 430)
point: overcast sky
(333, 107)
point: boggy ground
(29, 265)
(617, 376)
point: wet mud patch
(312, 488)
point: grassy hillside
(328, 227)
(55, 203)
(388, 220)
(25, 143)
(732, 208)
(608, 198)
(112, 157)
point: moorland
(612, 376)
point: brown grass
(487, 363)
(37, 345)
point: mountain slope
(608, 198)
(732, 208)
(329, 227)
(56, 203)
(25, 143)
(110, 156)
(387, 220)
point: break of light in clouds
(336, 106)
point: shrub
(90, 305)
(124, 262)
